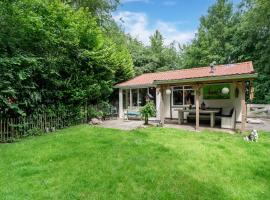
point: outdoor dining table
(211, 112)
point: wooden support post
(158, 103)
(138, 97)
(251, 91)
(161, 107)
(126, 99)
(212, 120)
(197, 105)
(243, 105)
(130, 99)
(121, 112)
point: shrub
(94, 113)
(147, 111)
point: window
(134, 97)
(177, 96)
(143, 96)
(183, 95)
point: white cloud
(171, 33)
(137, 24)
(134, 24)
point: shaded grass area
(85, 162)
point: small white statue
(253, 136)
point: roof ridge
(184, 69)
(185, 73)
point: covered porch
(209, 104)
(212, 96)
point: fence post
(4, 130)
(1, 131)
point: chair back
(133, 108)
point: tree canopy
(156, 57)
(52, 54)
(67, 53)
(214, 40)
(228, 35)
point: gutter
(207, 79)
(135, 86)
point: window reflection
(183, 95)
(177, 97)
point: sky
(177, 20)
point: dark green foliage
(254, 35)
(228, 36)
(53, 55)
(214, 40)
(54, 118)
(156, 57)
(100, 8)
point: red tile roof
(199, 72)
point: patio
(134, 124)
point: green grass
(85, 162)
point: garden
(89, 162)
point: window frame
(183, 89)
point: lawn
(85, 162)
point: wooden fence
(15, 128)
(258, 110)
(12, 129)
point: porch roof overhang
(213, 79)
(135, 86)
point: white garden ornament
(225, 90)
(168, 91)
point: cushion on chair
(227, 112)
(133, 113)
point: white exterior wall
(167, 109)
(158, 97)
(121, 111)
(167, 105)
(227, 103)
(217, 103)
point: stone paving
(133, 124)
(122, 124)
(264, 126)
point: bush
(94, 113)
(147, 111)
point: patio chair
(133, 113)
(110, 112)
(113, 112)
(228, 118)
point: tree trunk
(146, 120)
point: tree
(157, 42)
(214, 40)
(156, 57)
(226, 36)
(52, 54)
(100, 8)
(252, 42)
(147, 111)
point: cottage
(214, 92)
